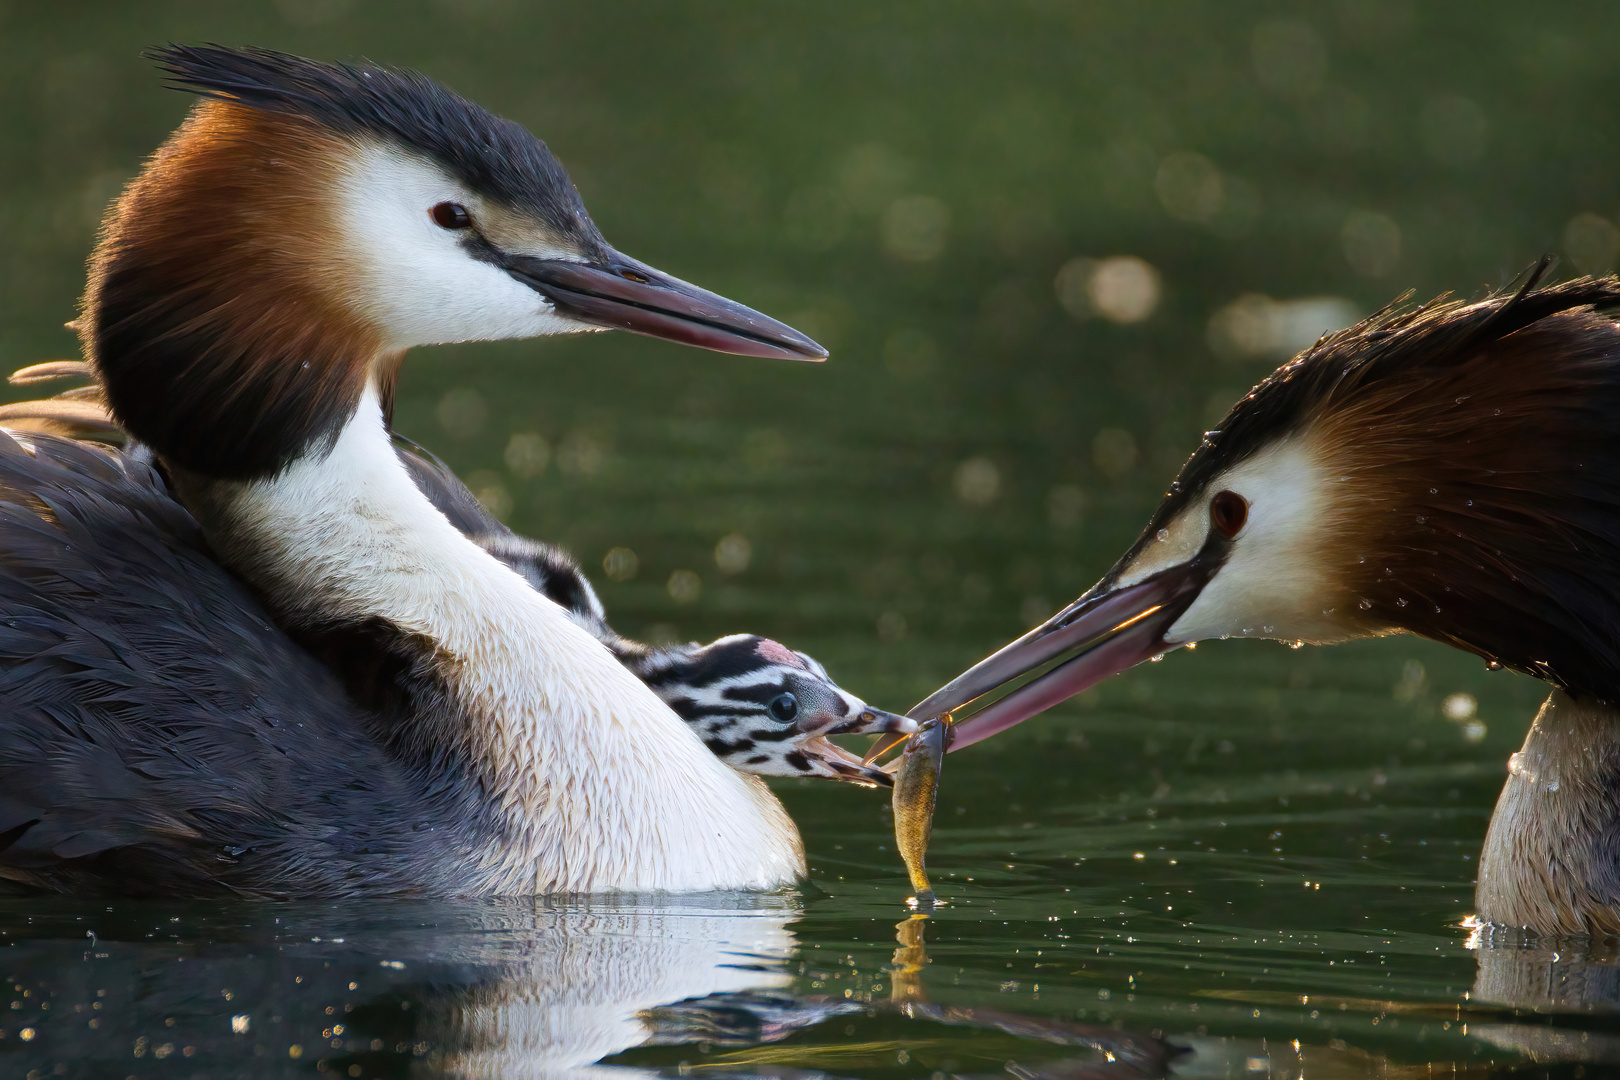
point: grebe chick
(758, 705)
(167, 728)
(1450, 471)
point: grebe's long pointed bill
(1104, 632)
(622, 293)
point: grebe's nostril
(639, 279)
(868, 716)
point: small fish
(916, 783)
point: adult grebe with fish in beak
(1450, 470)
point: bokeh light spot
(581, 454)
(684, 586)
(733, 553)
(977, 481)
(620, 564)
(1255, 326)
(1122, 288)
(1372, 243)
(1592, 243)
(527, 454)
(1459, 706)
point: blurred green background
(1047, 244)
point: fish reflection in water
(728, 1020)
(1122, 1054)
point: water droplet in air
(1434, 491)
(1296, 644)
(1493, 665)
(1421, 520)
(1365, 605)
(1400, 601)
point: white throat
(601, 787)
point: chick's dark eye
(1228, 513)
(449, 215)
(783, 707)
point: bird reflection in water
(520, 988)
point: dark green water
(1259, 854)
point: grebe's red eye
(449, 215)
(1228, 513)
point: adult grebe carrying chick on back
(250, 301)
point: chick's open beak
(1104, 632)
(622, 293)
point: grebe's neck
(596, 784)
(1552, 857)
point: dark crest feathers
(494, 156)
(1396, 339)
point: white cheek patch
(1274, 583)
(413, 279)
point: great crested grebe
(1450, 471)
(248, 306)
(758, 705)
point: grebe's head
(310, 222)
(1450, 471)
(765, 708)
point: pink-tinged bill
(1102, 633)
(625, 294)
